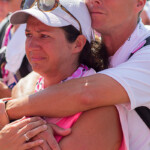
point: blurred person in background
(13, 62)
(145, 15)
(3, 9)
(7, 6)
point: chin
(36, 68)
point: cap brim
(48, 18)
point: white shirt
(134, 75)
(16, 49)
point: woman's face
(47, 48)
(108, 14)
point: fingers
(53, 144)
(37, 148)
(28, 123)
(33, 144)
(29, 127)
(60, 131)
(31, 133)
(32, 128)
(45, 146)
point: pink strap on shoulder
(123, 145)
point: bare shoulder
(96, 129)
(26, 85)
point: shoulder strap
(144, 112)
(147, 42)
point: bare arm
(75, 96)
(97, 129)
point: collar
(137, 37)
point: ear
(140, 5)
(79, 44)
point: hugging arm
(75, 95)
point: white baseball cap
(58, 17)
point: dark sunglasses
(46, 5)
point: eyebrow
(40, 31)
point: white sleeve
(134, 76)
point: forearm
(3, 115)
(4, 90)
(70, 97)
(43, 103)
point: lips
(35, 59)
(96, 12)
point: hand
(15, 135)
(3, 115)
(50, 142)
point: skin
(7, 6)
(22, 89)
(93, 94)
(42, 46)
(90, 92)
(15, 131)
(3, 10)
(4, 90)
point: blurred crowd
(12, 49)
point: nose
(32, 44)
(94, 3)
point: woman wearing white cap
(57, 47)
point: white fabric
(16, 50)
(58, 17)
(147, 8)
(134, 76)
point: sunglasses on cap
(46, 6)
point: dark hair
(92, 55)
